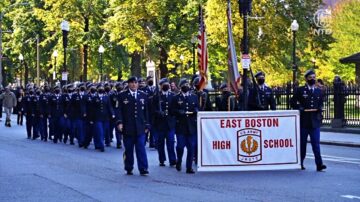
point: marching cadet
(164, 123)
(44, 113)
(116, 105)
(29, 112)
(185, 107)
(261, 97)
(309, 100)
(151, 90)
(102, 113)
(90, 130)
(203, 95)
(77, 114)
(36, 112)
(56, 114)
(133, 121)
(109, 132)
(68, 90)
(225, 101)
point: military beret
(140, 79)
(183, 81)
(132, 79)
(118, 84)
(163, 80)
(260, 73)
(309, 72)
(196, 81)
(223, 85)
(89, 85)
(106, 84)
(149, 78)
(56, 87)
(100, 85)
(70, 86)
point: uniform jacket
(266, 96)
(164, 120)
(226, 102)
(305, 99)
(101, 108)
(185, 123)
(133, 113)
(57, 105)
(77, 105)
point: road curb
(344, 144)
(341, 130)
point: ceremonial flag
(202, 51)
(234, 75)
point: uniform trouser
(20, 118)
(43, 128)
(29, 125)
(314, 134)
(169, 137)
(77, 130)
(89, 133)
(118, 135)
(151, 137)
(139, 143)
(187, 141)
(108, 130)
(100, 129)
(36, 126)
(57, 125)
(67, 130)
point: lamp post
(101, 51)
(21, 58)
(245, 10)
(193, 42)
(65, 27)
(55, 55)
(294, 29)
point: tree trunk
(26, 74)
(136, 64)
(86, 47)
(163, 63)
(357, 73)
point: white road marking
(336, 159)
(350, 197)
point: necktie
(311, 90)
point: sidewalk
(327, 138)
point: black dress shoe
(162, 164)
(118, 146)
(72, 143)
(102, 150)
(129, 172)
(178, 167)
(190, 171)
(108, 145)
(144, 172)
(302, 167)
(320, 168)
(172, 165)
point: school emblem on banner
(249, 145)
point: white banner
(240, 141)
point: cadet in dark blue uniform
(309, 100)
(56, 114)
(77, 114)
(68, 90)
(261, 96)
(185, 107)
(102, 114)
(114, 96)
(225, 101)
(150, 89)
(44, 113)
(36, 118)
(203, 95)
(133, 122)
(90, 130)
(164, 123)
(29, 113)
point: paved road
(31, 170)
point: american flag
(234, 75)
(202, 50)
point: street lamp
(21, 58)
(294, 29)
(193, 42)
(65, 27)
(101, 51)
(55, 55)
